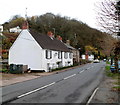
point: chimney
(68, 42)
(50, 34)
(59, 38)
(25, 25)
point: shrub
(61, 68)
(5, 68)
(84, 61)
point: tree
(109, 19)
(108, 16)
(16, 22)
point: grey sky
(79, 9)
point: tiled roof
(47, 43)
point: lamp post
(79, 55)
(79, 52)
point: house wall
(90, 57)
(15, 29)
(53, 62)
(76, 55)
(26, 51)
(1, 28)
(83, 56)
(65, 62)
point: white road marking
(88, 67)
(69, 76)
(92, 96)
(36, 90)
(81, 71)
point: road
(71, 86)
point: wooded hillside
(79, 33)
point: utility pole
(26, 14)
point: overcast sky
(79, 9)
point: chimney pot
(25, 25)
(68, 42)
(50, 34)
(59, 38)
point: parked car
(112, 67)
(96, 61)
(119, 66)
(104, 60)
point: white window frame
(59, 54)
(70, 55)
(65, 55)
(48, 54)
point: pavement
(106, 93)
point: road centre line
(69, 76)
(36, 90)
(48, 85)
(81, 71)
(88, 67)
(30, 92)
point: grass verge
(115, 76)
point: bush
(61, 68)
(107, 62)
(5, 68)
(5, 56)
(84, 61)
(110, 74)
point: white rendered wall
(91, 57)
(26, 51)
(53, 61)
(83, 56)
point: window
(59, 54)
(70, 55)
(48, 54)
(65, 55)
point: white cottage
(15, 29)
(39, 51)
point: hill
(79, 33)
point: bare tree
(109, 19)
(108, 16)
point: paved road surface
(72, 86)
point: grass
(115, 76)
(110, 74)
(107, 62)
(117, 87)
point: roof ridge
(47, 43)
